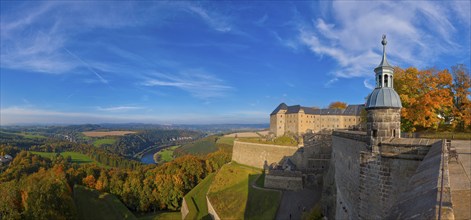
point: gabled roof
(280, 106)
(350, 110)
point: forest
(37, 187)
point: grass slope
(233, 196)
(196, 199)
(92, 204)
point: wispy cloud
(418, 33)
(198, 84)
(118, 108)
(216, 21)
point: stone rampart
(425, 189)
(258, 155)
(184, 210)
(284, 180)
(368, 182)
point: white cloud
(118, 108)
(418, 33)
(198, 84)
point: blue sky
(210, 62)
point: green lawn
(76, 157)
(166, 155)
(196, 199)
(283, 140)
(226, 140)
(233, 196)
(92, 204)
(102, 141)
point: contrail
(88, 66)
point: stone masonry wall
(346, 157)
(258, 155)
(368, 183)
(284, 182)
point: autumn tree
(338, 105)
(426, 97)
(461, 89)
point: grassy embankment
(233, 196)
(76, 157)
(282, 140)
(92, 204)
(196, 199)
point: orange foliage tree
(426, 95)
(461, 89)
(338, 105)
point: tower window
(380, 81)
(375, 133)
(386, 83)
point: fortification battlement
(285, 173)
(354, 135)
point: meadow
(166, 155)
(100, 142)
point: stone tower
(383, 104)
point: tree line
(34, 187)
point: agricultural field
(106, 133)
(26, 135)
(92, 204)
(100, 142)
(234, 197)
(76, 157)
(196, 199)
(166, 155)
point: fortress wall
(369, 184)
(211, 211)
(346, 155)
(283, 182)
(258, 155)
(421, 197)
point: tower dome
(384, 95)
(383, 106)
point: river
(148, 157)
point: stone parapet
(354, 135)
(184, 210)
(427, 195)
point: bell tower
(383, 104)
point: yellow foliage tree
(426, 97)
(338, 105)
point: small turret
(383, 104)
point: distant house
(5, 159)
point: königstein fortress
(365, 173)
